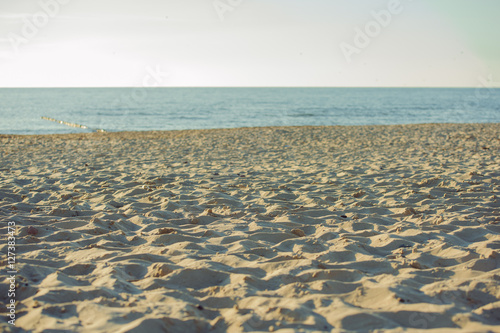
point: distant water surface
(138, 109)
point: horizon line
(266, 87)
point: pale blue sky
(81, 43)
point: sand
(286, 229)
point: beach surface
(284, 229)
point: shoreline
(3, 135)
(324, 228)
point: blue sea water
(144, 109)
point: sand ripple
(265, 229)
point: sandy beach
(284, 229)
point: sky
(248, 43)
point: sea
(147, 109)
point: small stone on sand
(298, 232)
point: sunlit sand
(255, 229)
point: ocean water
(144, 109)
